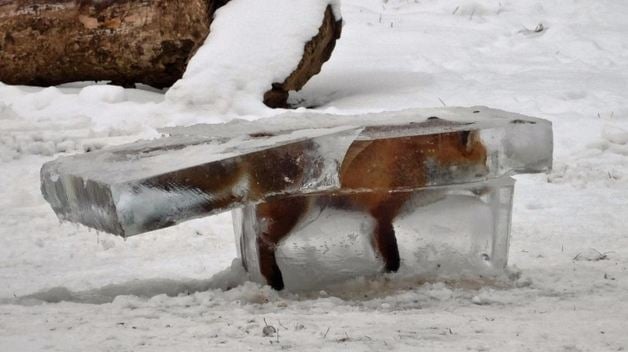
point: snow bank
(252, 44)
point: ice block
(202, 170)
(440, 232)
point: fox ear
(468, 140)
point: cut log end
(316, 52)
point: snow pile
(75, 117)
(252, 44)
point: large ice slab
(148, 185)
(205, 169)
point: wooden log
(50, 42)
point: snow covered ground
(64, 288)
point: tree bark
(50, 42)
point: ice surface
(205, 169)
(440, 232)
(153, 184)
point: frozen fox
(370, 170)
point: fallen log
(50, 42)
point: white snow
(252, 44)
(102, 93)
(133, 295)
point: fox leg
(384, 238)
(278, 218)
